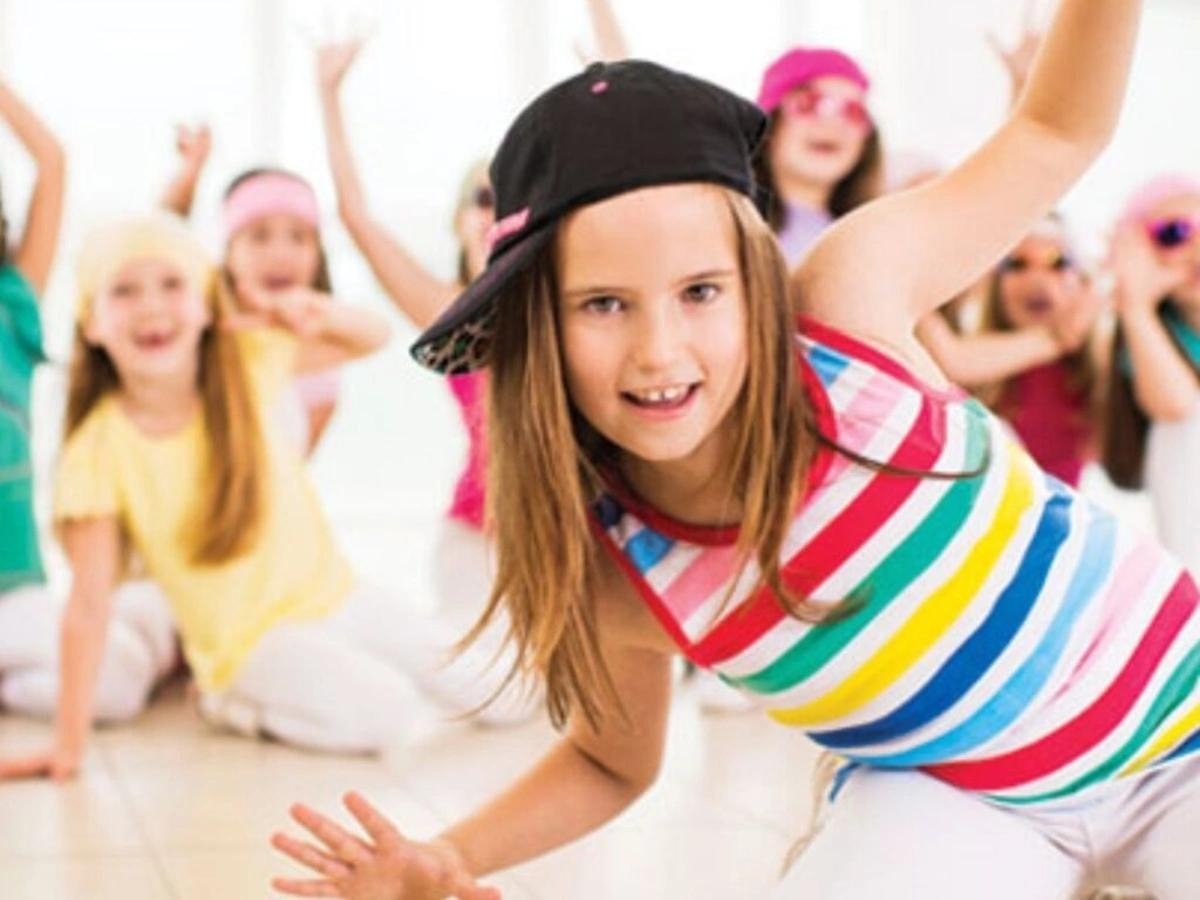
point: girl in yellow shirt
(168, 454)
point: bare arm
(34, 255)
(931, 242)
(976, 360)
(414, 290)
(1164, 384)
(585, 780)
(93, 547)
(193, 146)
(610, 40)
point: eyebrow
(600, 290)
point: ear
(93, 332)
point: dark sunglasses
(1059, 262)
(1174, 231)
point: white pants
(371, 676)
(140, 650)
(462, 573)
(1173, 482)
(903, 834)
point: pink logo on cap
(507, 227)
(599, 87)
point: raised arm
(1164, 383)
(415, 291)
(93, 547)
(976, 360)
(34, 254)
(882, 268)
(610, 40)
(193, 146)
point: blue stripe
(958, 674)
(827, 363)
(1017, 694)
(1191, 745)
(647, 548)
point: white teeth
(664, 395)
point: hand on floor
(385, 867)
(56, 764)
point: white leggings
(139, 652)
(463, 569)
(371, 676)
(1173, 482)
(903, 834)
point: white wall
(434, 90)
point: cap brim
(446, 345)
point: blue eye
(702, 293)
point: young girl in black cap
(810, 511)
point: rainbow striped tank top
(1011, 638)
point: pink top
(1051, 418)
(470, 391)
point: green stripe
(897, 571)
(1178, 687)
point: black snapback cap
(613, 128)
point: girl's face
(274, 253)
(1173, 226)
(821, 131)
(149, 319)
(653, 322)
(1039, 282)
(473, 222)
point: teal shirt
(20, 352)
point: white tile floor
(169, 809)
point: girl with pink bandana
(1153, 425)
(270, 224)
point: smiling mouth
(154, 341)
(662, 399)
(1038, 305)
(278, 282)
(825, 147)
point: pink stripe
(697, 584)
(710, 572)
(1125, 590)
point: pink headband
(804, 64)
(268, 194)
(1154, 192)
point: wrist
(451, 852)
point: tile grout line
(142, 829)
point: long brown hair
(547, 468)
(861, 184)
(229, 515)
(1126, 426)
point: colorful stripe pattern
(1008, 636)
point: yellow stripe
(1166, 741)
(931, 620)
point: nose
(659, 336)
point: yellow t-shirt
(109, 467)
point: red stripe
(827, 550)
(1095, 723)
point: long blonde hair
(547, 468)
(228, 517)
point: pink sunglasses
(813, 103)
